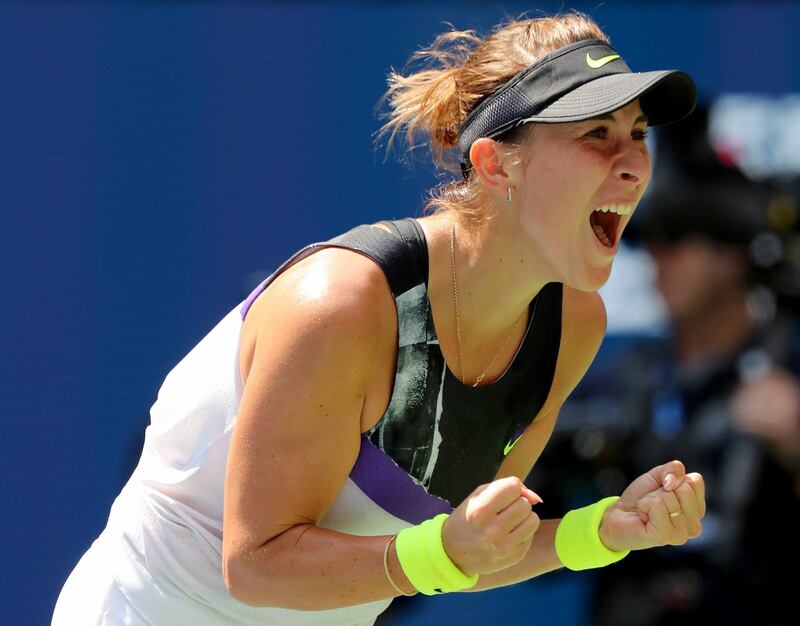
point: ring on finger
(675, 513)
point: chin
(592, 280)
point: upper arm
(297, 433)
(583, 325)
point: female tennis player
(360, 426)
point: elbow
(262, 576)
(244, 584)
(235, 579)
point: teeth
(601, 235)
(619, 209)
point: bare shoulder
(340, 294)
(334, 280)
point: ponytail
(427, 107)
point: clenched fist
(493, 528)
(662, 507)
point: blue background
(157, 159)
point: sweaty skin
(294, 444)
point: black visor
(574, 83)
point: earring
(508, 197)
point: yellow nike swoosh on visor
(510, 445)
(594, 64)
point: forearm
(541, 558)
(312, 569)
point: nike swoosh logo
(510, 445)
(595, 64)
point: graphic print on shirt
(450, 437)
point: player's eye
(601, 132)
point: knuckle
(473, 515)
(481, 510)
(488, 534)
(509, 483)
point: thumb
(669, 475)
(531, 496)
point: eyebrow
(610, 116)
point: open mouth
(605, 225)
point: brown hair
(458, 71)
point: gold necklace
(458, 316)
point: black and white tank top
(447, 437)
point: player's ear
(486, 158)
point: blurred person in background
(720, 391)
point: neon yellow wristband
(425, 562)
(578, 542)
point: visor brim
(665, 96)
